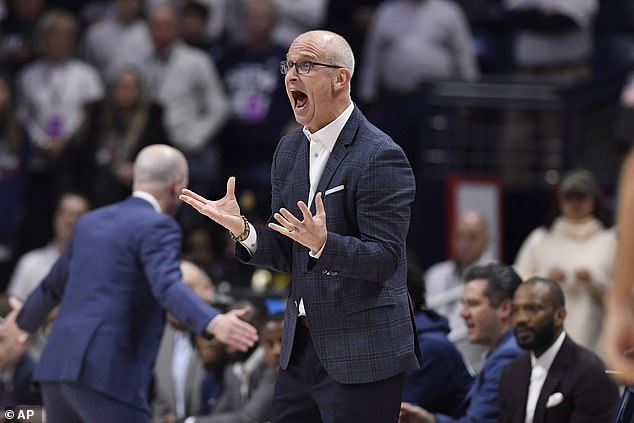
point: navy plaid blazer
(355, 294)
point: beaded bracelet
(244, 235)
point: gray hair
(159, 164)
(338, 51)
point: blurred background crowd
(534, 97)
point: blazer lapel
(339, 152)
(555, 375)
(522, 376)
(301, 169)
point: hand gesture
(555, 273)
(414, 414)
(311, 232)
(225, 211)
(583, 275)
(9, 325)
(230, 329)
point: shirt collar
(546, 359)
(143, 195)
(328, 134)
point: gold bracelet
(244, 235)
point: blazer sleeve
(48, 294)
(596, 398)
(385, 193)
(160, 256)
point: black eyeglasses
(302, 67)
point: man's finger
(191, 193)
(231, 186)
(192, 202)
(305, 211)
(292, 220)
(283, 221)
(319, 205)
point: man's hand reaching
(230, 329)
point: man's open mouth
(300, 99)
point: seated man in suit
(487, 298)
(179, 371)
(248, 386)
(558, 381)
(442, 382)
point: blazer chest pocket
(360, 303)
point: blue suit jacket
(117, 273)
(482, 400)
(355, 294)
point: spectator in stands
(194, 18)
(56, 94)
(410, 42)
(213, 354)
(17, 47)
(445, 280)
(577, 251)
(34, 265)
(558, 381)
(179, 371)
(119, 41)
(553, 40)
(295, 17)
(185, 82)
(14, 156)
(488, 296)
(123, 124)
(442, 382)
(214, 251)
(16, 368)
(351, 19)
(248, 386)
(552, 45)
(259, 111)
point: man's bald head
(335, 48)
(196, 278)
(470, 238)
(162, 171)
(158, 164)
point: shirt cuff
(191, 419)
(211, 325)
(251, 243)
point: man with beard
(558, 380)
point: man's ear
(560, 316)
(506, 308)
(342, 78)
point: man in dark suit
(558, 380)
(342, 192)
(117, 274)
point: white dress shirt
(322, 143)
(540, 367)
(183, 351)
